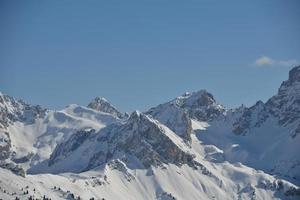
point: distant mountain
(191, 147)
(101, 104)
(284, 107)
(177, 114)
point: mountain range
(191, 147)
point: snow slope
(115, 180)
(32, 140)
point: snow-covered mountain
(29, 134)
(191, 147)
(264, 136)
(178, 113)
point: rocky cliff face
(141, 137)
(63, 150)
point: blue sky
(141, 53)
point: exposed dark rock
(101, 104)
(251, 117)
(16, 169)
(140, 137)
(5, 147)
(64, 149)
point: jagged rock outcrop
(12, 110)
(250, 117)
(101, 104)
(142, 137)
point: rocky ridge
(141, 137)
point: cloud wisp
(264, 61)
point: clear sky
(141, 53)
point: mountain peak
(294, 78)
(294, 74)
(103, 105)
(199, 99)
(101, 99)
(134, 115)
(200, 105)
